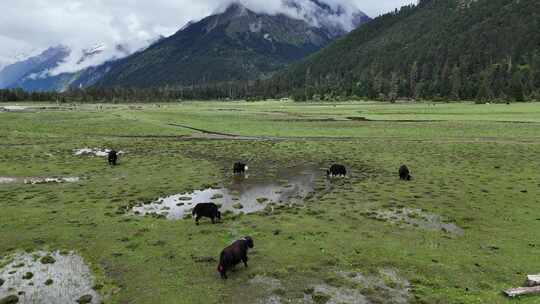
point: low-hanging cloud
(30, 26)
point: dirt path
(203, 136)
(206, 134)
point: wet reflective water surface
(47, 277)
(417, 218)
(245, 194)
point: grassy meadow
(476, 166)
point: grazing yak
(404, 173)
(336, 171)
(233, 255)
(113, 157)
(209, 210)
(240, 168)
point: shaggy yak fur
(233, 255)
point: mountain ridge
(35, 73)
(438, 49)
(235, 45)
(12, 74)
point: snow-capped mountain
(11, 75)
(236, 44)
(37, 73)
(92, 51)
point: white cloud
(30, 25)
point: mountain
(238, 44)
(12, 75)
(32, 74)
(91, 52)
(450, 49)
(335, 19)
(81, 79)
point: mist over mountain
(44, 72)
(242, 40)
(12, 75)
(318, 13)
(236, 44)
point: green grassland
(476, 165)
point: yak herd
(237, 252)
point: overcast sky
(29, 26)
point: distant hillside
(81, 79)
(30, 68)
(33, 74)
(451, 49)
(235, 45)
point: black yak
(240, 168)
(233, 255)
(112, 157)
(209, 210)
(404, 173)
(337, 171)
